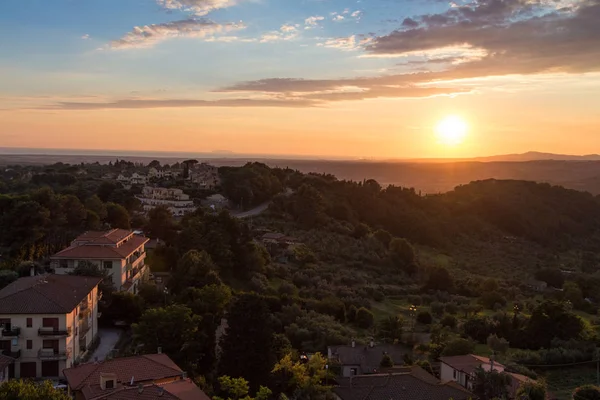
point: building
(147, 376)
(163, 173)
(175, 200)
(359, 360)
(412, 383)
(215, 201)
(48, 323)
(5, 365)
(119, 252)
(538, 286)
(205, 176)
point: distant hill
(522, 157)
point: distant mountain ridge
(538, 156)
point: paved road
(254, 212)
(108, 340)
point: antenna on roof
(131, 383)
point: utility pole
(597, 368)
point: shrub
(437, 308)
(451, 308)
(498, 345)
(449, 321)
(386, 361)
(587, 392)
(364, 318)
(458, 347)
(424, 317)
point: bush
(587, 392)
(364, 318)
(451, 308)
(386, 361)
(498, 345)
(437, 308)
(424, 317)
(449, 321)
(458, 347)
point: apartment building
(175, 200)
(48, 322)
(119, 252)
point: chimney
(159, 350)
(161, 391)
(353, 343)
(32, 271)
(108, 381)
(140, 388)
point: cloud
(338, 18)
(197, 7)
(313, 21)
(85, 37)
(149, 35)
(127, 104)
(349, 43)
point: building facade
(48, 323)
(175, 200)
(119, 252)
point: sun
(451, 131)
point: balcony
(46, 332)
(51, 354)
(16, 354)
(12, 332)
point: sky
(339, 78)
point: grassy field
(562, 381)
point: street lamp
(166, 292)
(413, 313)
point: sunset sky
(366, 78)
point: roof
(144, 368)
(94, 250)
(183, 389)
(46, 294)
(468, 363)
(368, 357)
(109, 237)
(5, 361)
(410, 385)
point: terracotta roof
(46, 294)
(144, 368)
(113, 236)
(95, 250)
(5, 361)
(183, 389)
(468, 363)
(411, 385)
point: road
(260, 208)
(108, 339)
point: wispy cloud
(85, 37)
(197, 7)
(349, 43)
(312, 22)
(149, 35)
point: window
(14, 342)
(29, 322)
(110, 384)
(63, 264)
(454, 374)
(107, 264)
(29, 344)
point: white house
(48, 323)
(175, 200)
(461, 369)
(119, 252)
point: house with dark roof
(411, 383)
(47, 323)
(119, 252)
(360, 359)
(149, 376)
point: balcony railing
(54, 332)
(12, 332)
(16, 354)
(51, 354)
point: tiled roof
(145, 368)
(177, 390)
(468, 363)
(5, 361)
(403, 386)
(46, 294)
(369, 357)
(102, 252)
(113, 236)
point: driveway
(108, 339)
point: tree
(572, 292)
(439, 279)
(75, 213)
(424, 317)
(498, 345)
(211, 299)
(30, 390)
(302, 379)
(175, 330)
(386, 361)
(449, 321)
(587, 392)
(364, 318)
(551, 320)
(383, 236)
(247, 347)
(125, 307)
(192, 270)
(402, 253)
(490, 299)
(531, 390)
(552, 276)
(238, 388)
(7, 277)
(477, 328)
(458, 347)
(117, 216)
(96, 205)
(392, 328)
(161, 224)
(491, 385)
